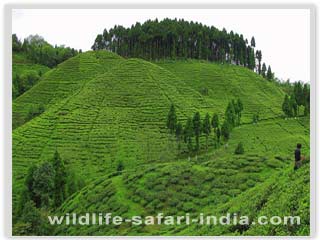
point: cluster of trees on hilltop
(298, 96)
(41, 52)
(195, 126)
(170, 38)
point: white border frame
(7, 101)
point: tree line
(39, 51)
(195, 127)
(297, 96)
(172, 38)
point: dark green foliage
(218, 134)
(189, 133)
(293, 105)
(239, 149)
(172, 119)
(43, 184)
(238, 107)
(255, 118)
(259, 58)
(269, 73)
(30, 222)
(120, 166)
(39, 51)
(264, 70)
(225, 130)
(253, 42)
(230, 115)
(206, 127)
(215, 121)
(197, 128)
(177, 39)
(286, 106)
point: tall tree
(207, 128)
(189, 133)
(225, 130)
(253, 42)
(259, 58)
(264, 70)
(215, 121)
(286, 106)
(43, 183)
(230, 114)
(197, 128)
(269, 73)
(172, 119)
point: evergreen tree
(172, 119)
(218, 134)
(207, 128)
(286, 106)
(215, 121)
(264, 70)
(269, 73)
(43, 184)
(225, 130)
(197, 128)
(306, 95)
(189, 133)
(238, 106)
(259, 58)
(253, 42)
(230, 115)
(293, 106)
(174, 39)
(239, 149)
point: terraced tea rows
(101, 109)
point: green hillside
(101, 110)
(213, 184)
(27, 71)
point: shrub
(239, 149)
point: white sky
(283, 35)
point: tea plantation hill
(101, 109)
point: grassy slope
(226, 82)
(259, 183)
(101, 109)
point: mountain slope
(101, 109)
(212, 184)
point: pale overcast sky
(283, 35)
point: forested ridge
(153, 40)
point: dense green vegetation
(124, 126)
(31, 59)
(178, 39)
